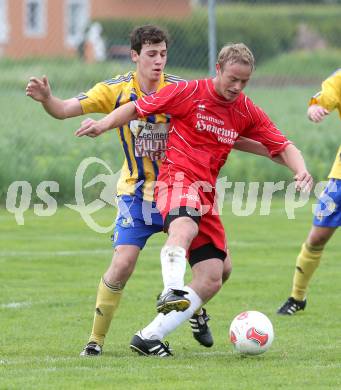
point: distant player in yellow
(328, 211)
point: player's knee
(183, 227)
(317, 239)
(206, 286)
(226, 271)
(213, 285)
(121, 267)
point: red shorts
(170, 196)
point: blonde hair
(236, 53)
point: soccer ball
(251, 333)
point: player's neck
(147, 86)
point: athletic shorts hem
(205, 252)
(182, 211)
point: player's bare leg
(122, 264)
(319, 236)
(199, 321)
(207, 278)
(227, 267)
(109, 295)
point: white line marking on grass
(216, 353)
(67, 253)
(15, 305)
(246, 244)
(55, 253)
(52, 360)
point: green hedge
(268, 30)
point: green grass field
(50, 268)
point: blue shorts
(136, 221)
(328, 209)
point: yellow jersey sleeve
(330, 95)
(330, 98)
(105, 96)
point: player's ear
(217, 68)
(134, 55)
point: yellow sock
(307, 262)
(108, 299)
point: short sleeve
(263, 130)
(101, 98)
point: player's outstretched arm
(116, 118)
(317, 113)
(293, 159)
(40, 90)
(248, 145)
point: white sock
(164, 324)
(173, 264)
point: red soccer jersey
(204, 127)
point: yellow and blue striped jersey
(330, 98)
(143, 152)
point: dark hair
(147, 34)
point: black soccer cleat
(146, 347)
(291, 306)
(172, 300)
(91, 349)
(200, 329)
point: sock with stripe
(108, 299)
(307, 262)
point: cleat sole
(180, 305)
(138, 350)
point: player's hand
(38, 89)
(303, 181)
(316, 113)
(91, 128)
